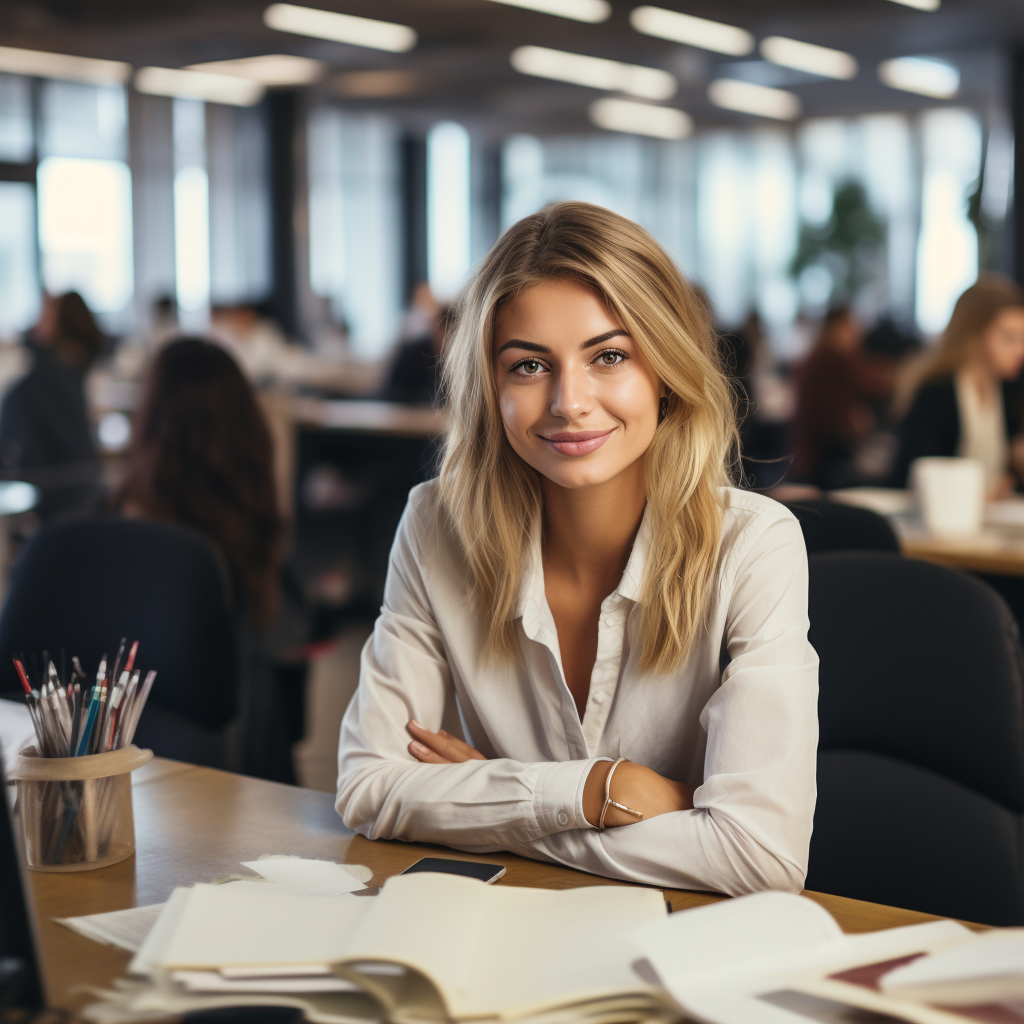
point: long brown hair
(202, 456)
(493, 498)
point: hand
(638, 787)
(439, 747)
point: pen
(140, 702)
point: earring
(662, 409)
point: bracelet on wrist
(609, 802)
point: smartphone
(469, 868)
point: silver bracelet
(609, 802)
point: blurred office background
(310, 186)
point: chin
(574, 477)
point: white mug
(951, 492)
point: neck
(589, 531)
(981, 377)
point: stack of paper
(775, 958)
(430, 948)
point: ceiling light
(579, 10)
(815, 60)
(684, 28)
(916, 74)
(340, 28)
(640, 118)
(595, 72)
(64, 66)
(271, 69)
(921, 5)
(378, 84)
(199, 85)
(748, 98)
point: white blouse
(982, 429)
(737, 721)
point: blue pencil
(90, 722)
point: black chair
(81, 585)
(921, 751)
(832, 526)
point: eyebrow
(530, 346)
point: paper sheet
(215, 982)
(16, 730)
(306, 877)
(126, 929)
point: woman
(201, 456)
(964, 405)
(579, 586)
(46, 434)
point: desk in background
(197, 824)
(998, 549)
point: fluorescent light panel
(594, 72)
(199, 85)
(921, 5)
(270, 69)
(62, 65)
(684, 28)
(640, 118)
(592, 11)
(747, 98)
(916, 74)
(340, 28)
(815, 60)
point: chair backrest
(82, 585)
(921, 751)
(832, 526)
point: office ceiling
(460, 66)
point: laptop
(21, 986)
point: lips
(577, 442)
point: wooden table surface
(197, 825)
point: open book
(774, 958)
(429, 948)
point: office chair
(832, 526)
(921, 750)
(81, 585)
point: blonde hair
(493, 498)
(973, 313)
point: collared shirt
(982, 429)
(737, 720)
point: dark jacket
(46, 436)
(932, 427)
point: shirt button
(598, 698)
(563, 818)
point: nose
(571, 397)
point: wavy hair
(493, 498)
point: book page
(746, 935)
(224, 925)
(543, 949)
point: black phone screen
(469, 868)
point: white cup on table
(951, 492)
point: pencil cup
(76, 812)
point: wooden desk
(196, 825)
(996, 549)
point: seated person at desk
(46, 436)
(415, 375)
(202, 457)
(581, 585)
(964, 405)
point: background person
(964, 404)
(46, 435)
(570, 586)
(202, 457)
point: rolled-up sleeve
(383, 792)
(750, 826)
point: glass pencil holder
(76, 812)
